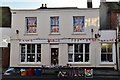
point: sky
(34, 4)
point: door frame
(54, 46)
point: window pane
(22, 48)
(86, 48)
(33, 48)
(22, 57)
(86, 57)
(70, 47)
(54, 24)
(39, 48)
(38, 57)
(31, 23)
(28, 48)
(70, 58)
(78, 58)
(30, 57)
(103, 57)
(110, 57)
(78, 48)
(78, 23)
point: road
(60, 78)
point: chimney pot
(45, 5)
(89, 3)
(42, 5)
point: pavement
(48, 74)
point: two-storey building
(60, 36)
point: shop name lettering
(53, 40)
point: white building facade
(60, 36)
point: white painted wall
(66, 31)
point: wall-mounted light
(17, 31)
(97, 35)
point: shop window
(78, 23)
(70, 53)
(86, 52)
(30, 52)
(54, 24)
(22, 52)
(31, 24)
(78, 52)
(106, 53)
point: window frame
(107, 62)
(79, 23)
(26, 26)
(36, 58)
(83, 53)
(57, 27)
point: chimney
(89, 3)
(45, 5)
(42, 5)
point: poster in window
(54, 24)
(78, 23)
(31, 24)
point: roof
(54, 8)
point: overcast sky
(34, 4)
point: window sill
(78, 33)
(30, 62)
(107, 63)
(54, 34)
(29, 34)
(78, 62)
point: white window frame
(58, 24)
(26, 30)
(113, 54)
(73, 57)
(26, 55)
(83, 32)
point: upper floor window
(54, 24)
(31, 24)
(78, 23)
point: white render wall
(65, 30)
(43, 22)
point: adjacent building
(5, 33)
(110, 20)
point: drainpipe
(116, 51)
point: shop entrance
(54, 56)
